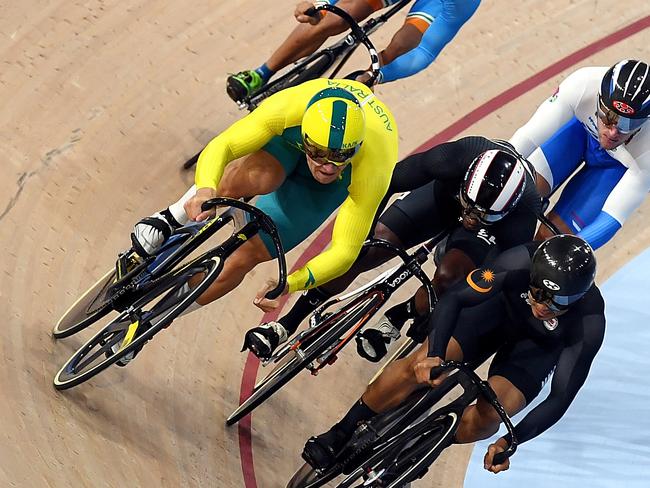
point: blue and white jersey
(541, 141)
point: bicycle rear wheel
(158, 308)
(280, 376)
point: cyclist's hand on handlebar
(302, 17)
(423, 371)
(193, 205)
(264, 303)
(499, 446)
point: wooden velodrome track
(101, 102)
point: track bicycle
(330, 331)
(330, 59)
(149, 293)
(397, 447)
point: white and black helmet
(624, 96)
(493, 185)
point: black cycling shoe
(264, 339)
(320, 451)
(243, 84)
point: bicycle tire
(80, 314)
(297, 364)
(66, 377)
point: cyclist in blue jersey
(430, 25)
(598, 116)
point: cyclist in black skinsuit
(498, 210)
(537, 308)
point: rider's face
(610, 137)
(324, 173)
(541, 310)
(470, 222)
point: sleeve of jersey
(479, 286)
(626, 197)
(245, 136)
(353, 222)
(550, 116)
(601, 230)
(569, 376)
(438, 163)
(443, 29)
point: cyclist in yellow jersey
(310, 149)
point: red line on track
(319, 243)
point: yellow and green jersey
(372, 167)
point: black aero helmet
(493, 185)
(624, 95)
(563, 269)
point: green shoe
(243, 84)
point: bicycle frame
(376, 293)
(148, 274)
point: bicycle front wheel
(88, 309)
(153, 312)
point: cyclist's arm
(353, 222)
(440, 32)
(443, 162)
(245, 136)
(626, 196)
(509, 269)
(551, 115)
(570, 374)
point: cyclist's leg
(476, 336)
(259, 173)
(235, 268)
(306, 38)
(517, 374)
